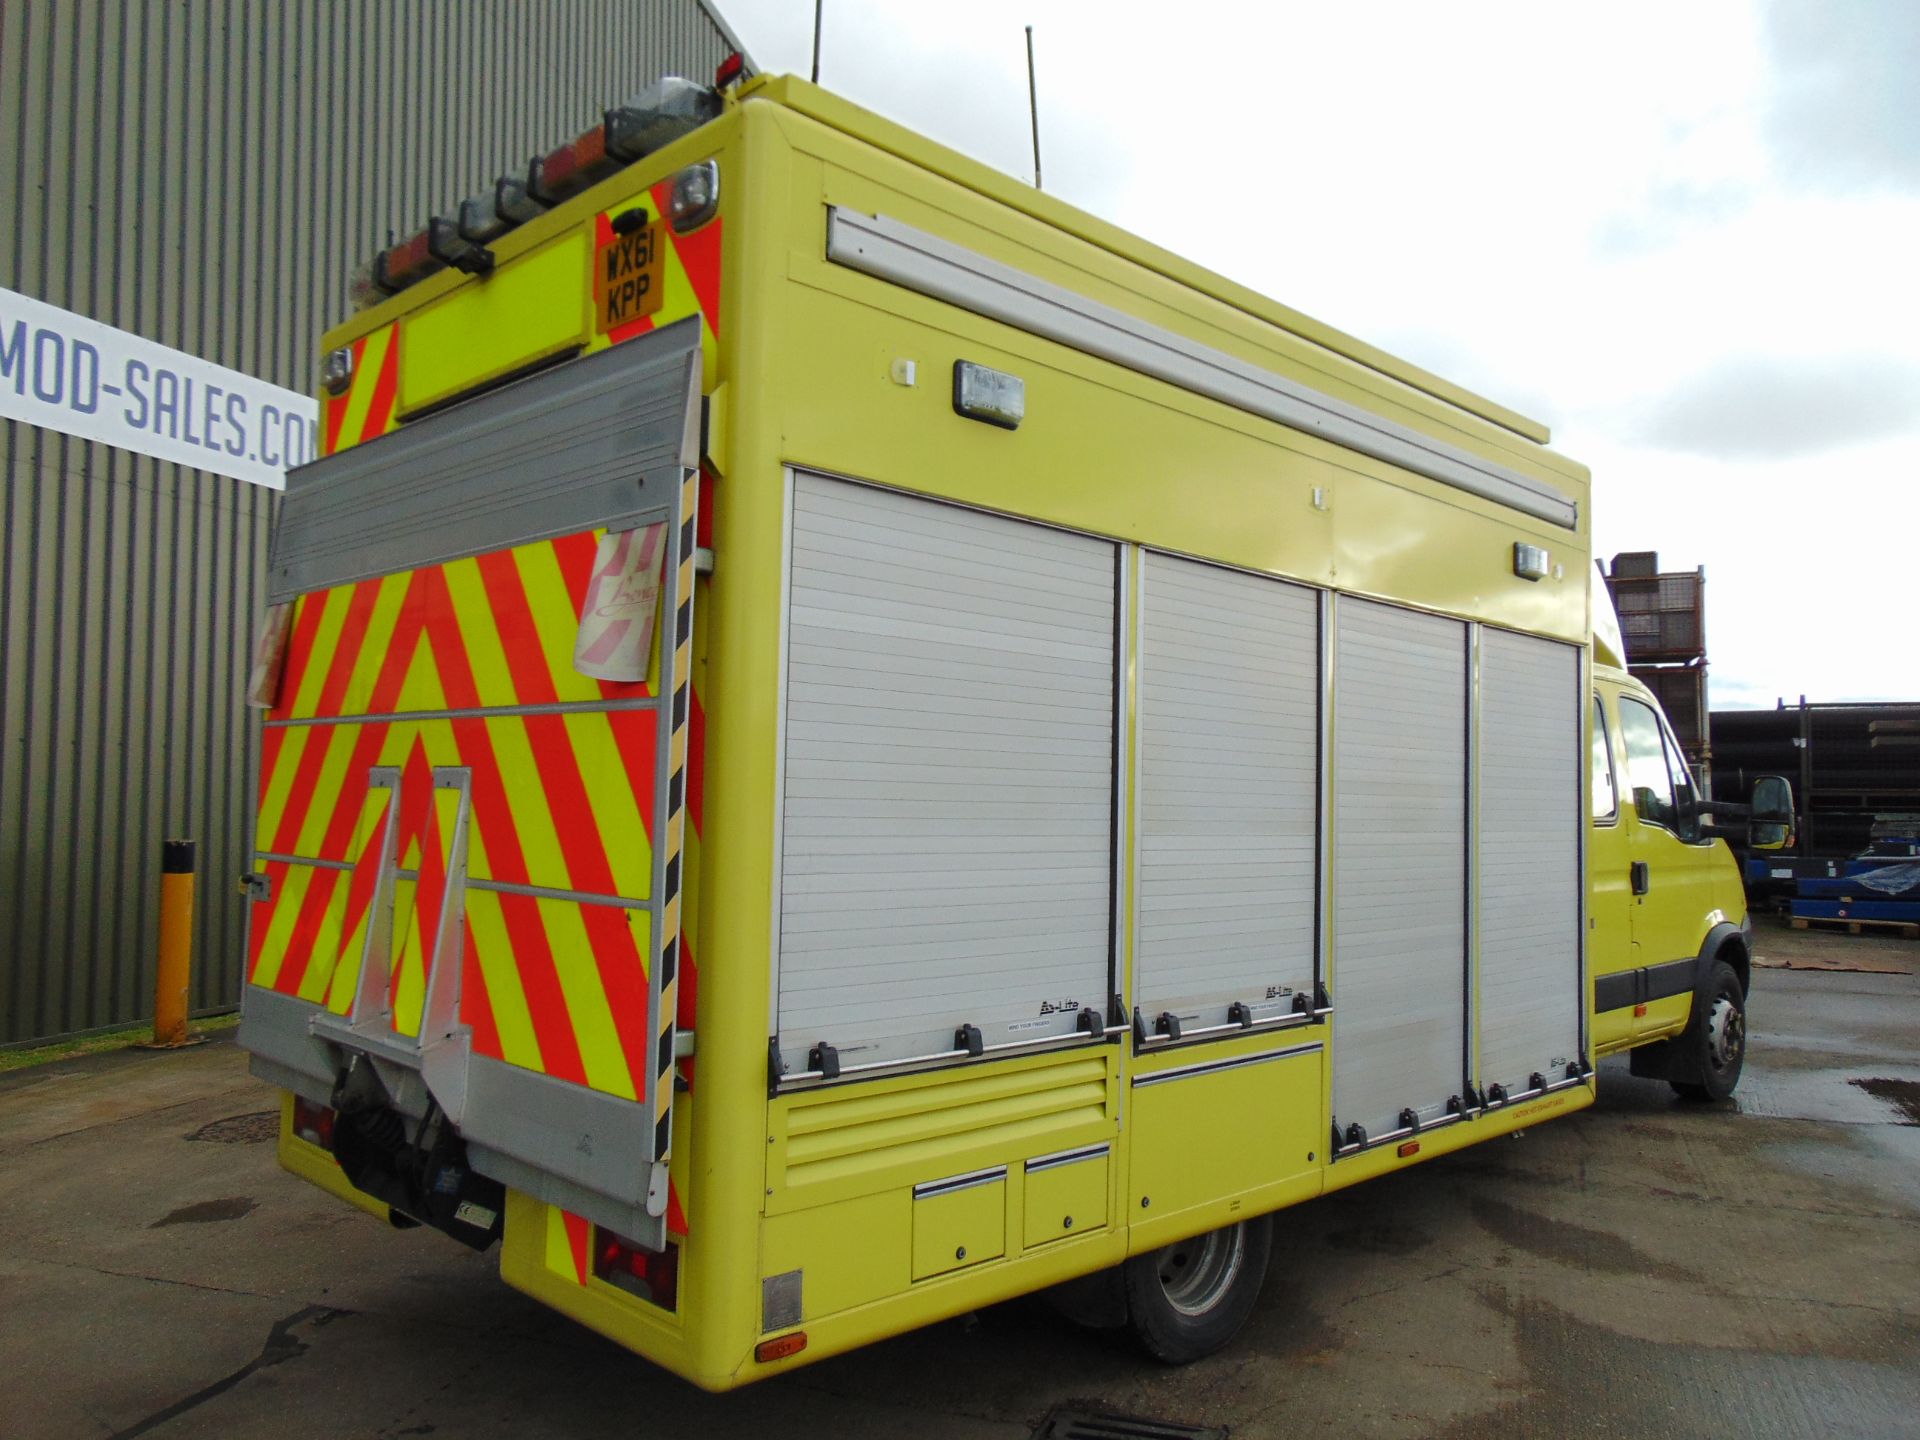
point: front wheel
(1716, 1038)
(1190, 1298)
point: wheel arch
(1726, 941)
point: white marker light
(994, 396)
(695, 196)
(336, 371)
(1530, 562)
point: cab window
(1686, 796)
(1649, 779)
(1606, 800)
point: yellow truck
(845, 741)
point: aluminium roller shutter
(947, 805)
(1228, 791)
(1399, 864)
(1529, 904)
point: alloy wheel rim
(1725, 1030)
(1195, 1273)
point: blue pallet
(1906, 911)
(1848, 887)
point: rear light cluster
(654, 118)
(653, 1275)
(313, 1123)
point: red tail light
(313, 1123)
(653, 1275)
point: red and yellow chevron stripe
(562, 800)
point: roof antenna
(817, 4)
(1033, 107)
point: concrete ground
(1645, 1268)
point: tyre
(1190, 1298)
(1715, 1042)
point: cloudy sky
(1686, 236)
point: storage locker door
(1399, 865)
(1229, 792)
(1529, 878)
(946, 841)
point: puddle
(1903, 1095)
(1570, 1244)
(1380, 1239)
(253, 1129)
(1832, 1096)
(206, 1212)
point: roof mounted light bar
(891, 250)
(656, 117)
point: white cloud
(1681, 234)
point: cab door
(1670, 870)
(1611, 953)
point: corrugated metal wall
(207, 173)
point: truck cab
(1670, 939)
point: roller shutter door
(1228, 794)
(1399, 865)
(1529, 883)
(947, 792)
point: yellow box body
(821, 1184)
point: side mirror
(1772, 811)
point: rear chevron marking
(306, 624)
(380, 407)
(554, 1029)
(557, 987)
(583, 848)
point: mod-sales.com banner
(68, 373)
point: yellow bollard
(176, 943)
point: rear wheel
(1190, 1298)
(1716, 1038)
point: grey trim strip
(1187, 1072)
(274, 857)
(544, 892)
(1285, 1020)
(602, 440)
(889, 250)
(503, 887)
(1409, 1131)
(797, 1078)
(1068, 1157)
(1521, 1097)
(927, 1189)
(484, 712)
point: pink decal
(616, 622)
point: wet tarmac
(1644, 1268)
